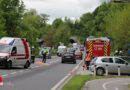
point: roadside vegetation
(110, 20)
(128, 86)
(78, 81)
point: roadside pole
(94, 71)
(119, 71)
(106, 70)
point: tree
(62, 34)
(44, 19)
(57, 22)
(12, 14)
(118, 27)
(48, 38)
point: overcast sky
(63, 8)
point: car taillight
(92, 64)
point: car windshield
(61, 49)
(93, 60)
(5, 48)
(126, 58)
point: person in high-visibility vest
(88, 58)
(44, 52)
(33, 54)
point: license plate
(68, 57)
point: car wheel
(27, 65)
(81, 58)
(9, 65)
(100, 72)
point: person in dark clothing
(44, 52)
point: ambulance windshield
(5, 48)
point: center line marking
(4, 75)
(13, 73)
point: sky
(63, 8)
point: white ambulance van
(14, 52)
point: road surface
(37, 77)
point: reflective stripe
(88, 57)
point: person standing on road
(32, 54)
(44, 52)
(88, 58)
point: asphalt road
(37, 77)
(108, 84)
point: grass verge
(77, 82)
(128, 86)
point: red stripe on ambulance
(26, 49)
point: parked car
(60, 50)
(112, 62)
(79, 55)
(70, 50)
(48, 55)
(81, 49)
(125, 58)
(68, 57)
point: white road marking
(21, 71)
(116, 88)
(106, 83)
(62, 80)
(36, 66)
(13, 73)
(4, 75)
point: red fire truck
(98, 46)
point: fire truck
(98, 46)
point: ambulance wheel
(9, 65)
(27, 65)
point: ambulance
(98, 46)
(14, 52)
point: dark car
(68, 57)
(79, 55)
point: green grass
(128, 86)
(77, 82)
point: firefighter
(33, 54)
(88, 58)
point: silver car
(112, 63)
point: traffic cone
(70, 72)
(1, 82)
(41, 63)
(85, 67)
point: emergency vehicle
(14, 52)
(98, 46)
